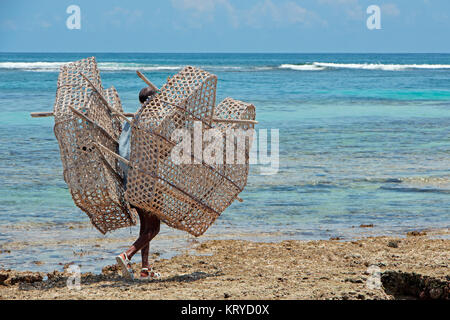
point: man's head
(145, 93)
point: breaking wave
(302, 67)
(104, 66)
(317, 66)
(42, 66)
(123, 66)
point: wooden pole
(50, 114)
(148, 82)
(234, 121)
(82, 116)
(104, 99)
(41, 114)
(102, 147)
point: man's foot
(125, 265)
(149, 274)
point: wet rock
(109, 270)
(416, 233)
(404, 284)
(352, 255)
(352, 280)
(435, 293)
(67, 265)
(55, 275)
(10, 278)
(3, 276)
(393, 243)
(89, 276)
(27, 278)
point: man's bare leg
(151, 228)
(143, 230)
(144, 256)
(147, 270)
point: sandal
(125, 265)
(149, 274)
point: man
(149, 223)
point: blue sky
(225, 26)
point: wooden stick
(104, 99)
(106, 163)
(140, 75)
(41, 114)
(234, 121)
(84, 117)
(102, 147)
(50, 114)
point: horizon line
(225, 52)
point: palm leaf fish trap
(85, 114)
(188, 197)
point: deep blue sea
(364, 139)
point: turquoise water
(364, 139)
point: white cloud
(205, 9)
(119, 15)
(285, 13)
(197, 5)
(352, 8)
(296, 14)
(45, 24)
(263, 12)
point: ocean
(363, 139)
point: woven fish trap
(188, 197)
(73, 90)
(83, 118)
(240, 136)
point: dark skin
(149, 228)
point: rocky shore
(414, 267)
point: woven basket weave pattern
(93, 178)
(189, 197)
